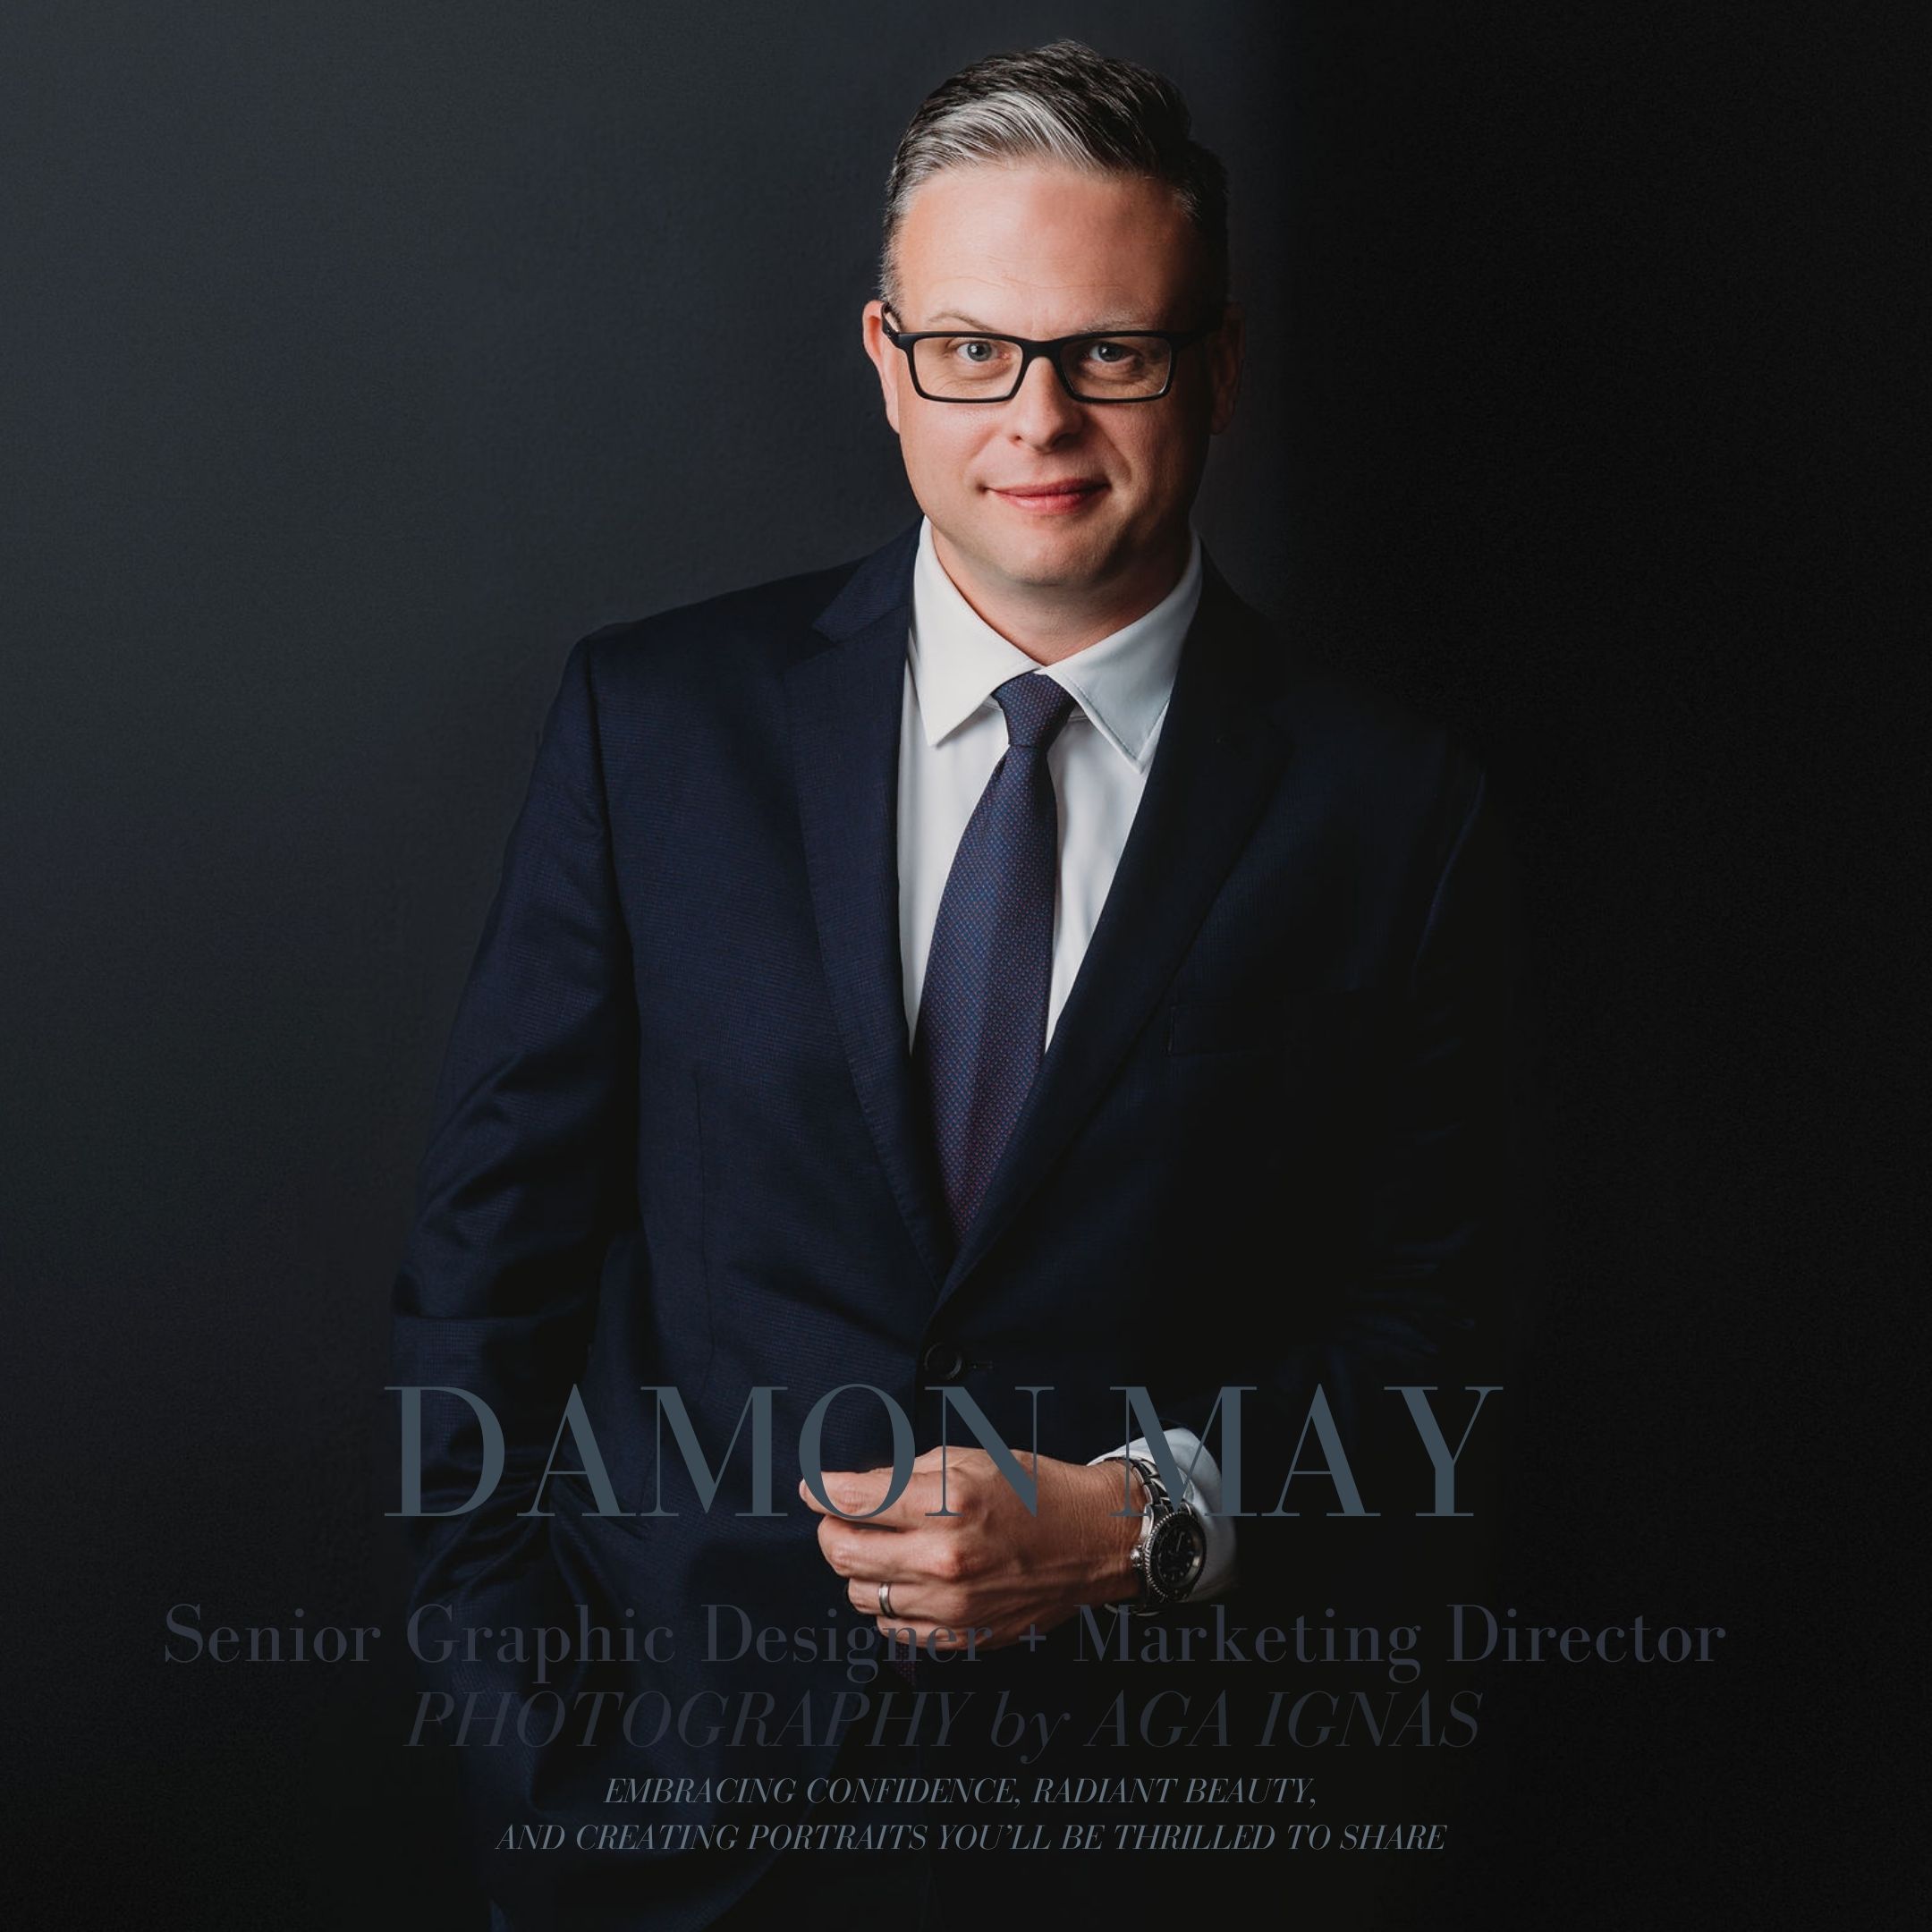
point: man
(1002, 966)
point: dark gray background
(360, 356)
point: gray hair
(1062, 103)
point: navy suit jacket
(677, 1139)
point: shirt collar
(1122, 683)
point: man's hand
(988, 1566)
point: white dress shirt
(951, 733)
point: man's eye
(973, 349)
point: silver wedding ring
(885, 1608)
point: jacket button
(942, 1362)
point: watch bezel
(1180, 1524)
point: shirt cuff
(1201, 1490)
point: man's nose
(1043, 412)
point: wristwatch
(1168, 1559)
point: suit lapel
(845, 705)
(1217, 762)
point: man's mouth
(1054, 497)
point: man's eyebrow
(1108, 326)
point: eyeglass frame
(1176, 340)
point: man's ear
(1224, 367)
(884, 358)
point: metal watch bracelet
(1184, 1560)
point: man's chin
(1051, 561)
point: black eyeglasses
(1120, 366)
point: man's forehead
(978, 303)
(1016, 248)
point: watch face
(1175, 1556)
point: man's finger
(851, 1550)
(859, 1550)
(862, 1593)
(855, 1493)
(858, 1495)
(914, 1600)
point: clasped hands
(988, 1565)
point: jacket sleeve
(1439, 1244)
(530, 1173)
(1425, 1298)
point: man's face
(1042, 250)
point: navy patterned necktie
(982, 1016)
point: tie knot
(1035, 708)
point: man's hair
(1062, 103)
